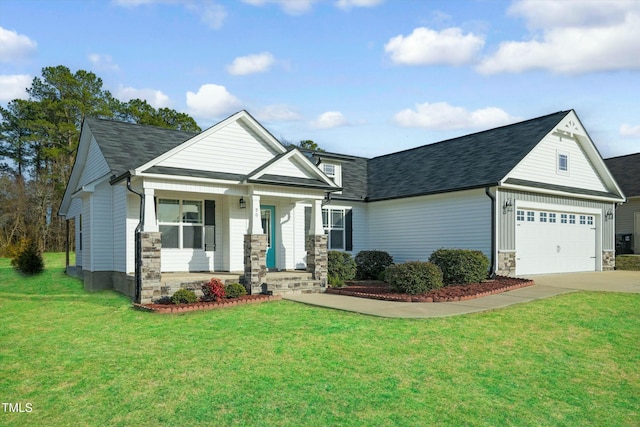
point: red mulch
(380, 290)
(227, 302)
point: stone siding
(150, 270)
(255, 262)
(506, 264)
(608, 260)
(317, 263)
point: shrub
(213, 290)
(371, 264)
(234, 290)
(184, 296)
(414, 277)
(27, 258)
(336, 282)
(461, 266)
(341, 265)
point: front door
(268, 214)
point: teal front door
(268, 214)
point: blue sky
(360, 77)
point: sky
(358, 77)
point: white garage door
(554, 242)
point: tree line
(38, 142)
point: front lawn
(90, 359)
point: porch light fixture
(243, 204)
(609, 215)
(508, 206)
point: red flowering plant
(213, 291)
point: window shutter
(209, 225)
(348, 228)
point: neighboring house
(626, 170)
(535, 197)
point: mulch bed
(380, 290)
(227, 302)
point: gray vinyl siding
(102, 228)
(506, 221)
(119, 228)
(624, 215)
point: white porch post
(150, 222)
(255, 220)
(316, 228)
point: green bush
(336, 282)
(414, 277)
(371, 264)
(28, 258)
(234, 290)
(184, 296)
(341, 265)
(460, 266)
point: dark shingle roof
(626, 171)
(126, 146)
(472, 161)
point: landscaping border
(211, 305)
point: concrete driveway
(546, 285)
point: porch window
(334, 226)
(180, 222)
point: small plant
(234, 290)
(184, 296)
(335, 281)
(341, 265)
(460, 266)
(414, 277)
(371, 264)
(213, 290)
(27, 258)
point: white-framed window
(572, 219)
(520, 216)
(543, 217)
(589, 220)
(563, 218)
(583, 220)
(552, 217)
(531, 216)
(562, 163)
(333, 223)
(329, 170)
(181, 223)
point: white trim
(559, 193)
(554, 207)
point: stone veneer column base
(506, 264)
(151, 244)
(317, 263)
(255, 262)
(608, 260)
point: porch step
(294, 286)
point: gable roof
(626, 171)
(478, 160)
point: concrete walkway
(547, 285)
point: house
(535, 197)
(626, 170)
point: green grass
(89, 359)
(628, 262)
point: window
(589, 220)
(543, 217)
(329, 170)
(563, 162)
(563, 218)
(583, 219)
(531, 216)
(552, 218)
(572, 219)
(181, 223)
(520, 215)
(334, 226)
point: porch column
(255, 250)
(150, 221)
(316, 245)
(150, 283)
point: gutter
(138, 255)
(493, 232)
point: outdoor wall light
(609, 214)
(508, 206)
(243, 204)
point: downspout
(138, 256)
(493, 232)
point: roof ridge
(91, 118)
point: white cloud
(573, 38)
(103, 62)
(630, 131)
(330, 119)
(14, 46)
(291, 7)
(212, 14)
(212, 101)
(155, 98)
(442, 116)
(251, 64)
(14, 87)
(425, 46)
(280, 113)
(348, 4)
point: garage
(555, 241)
